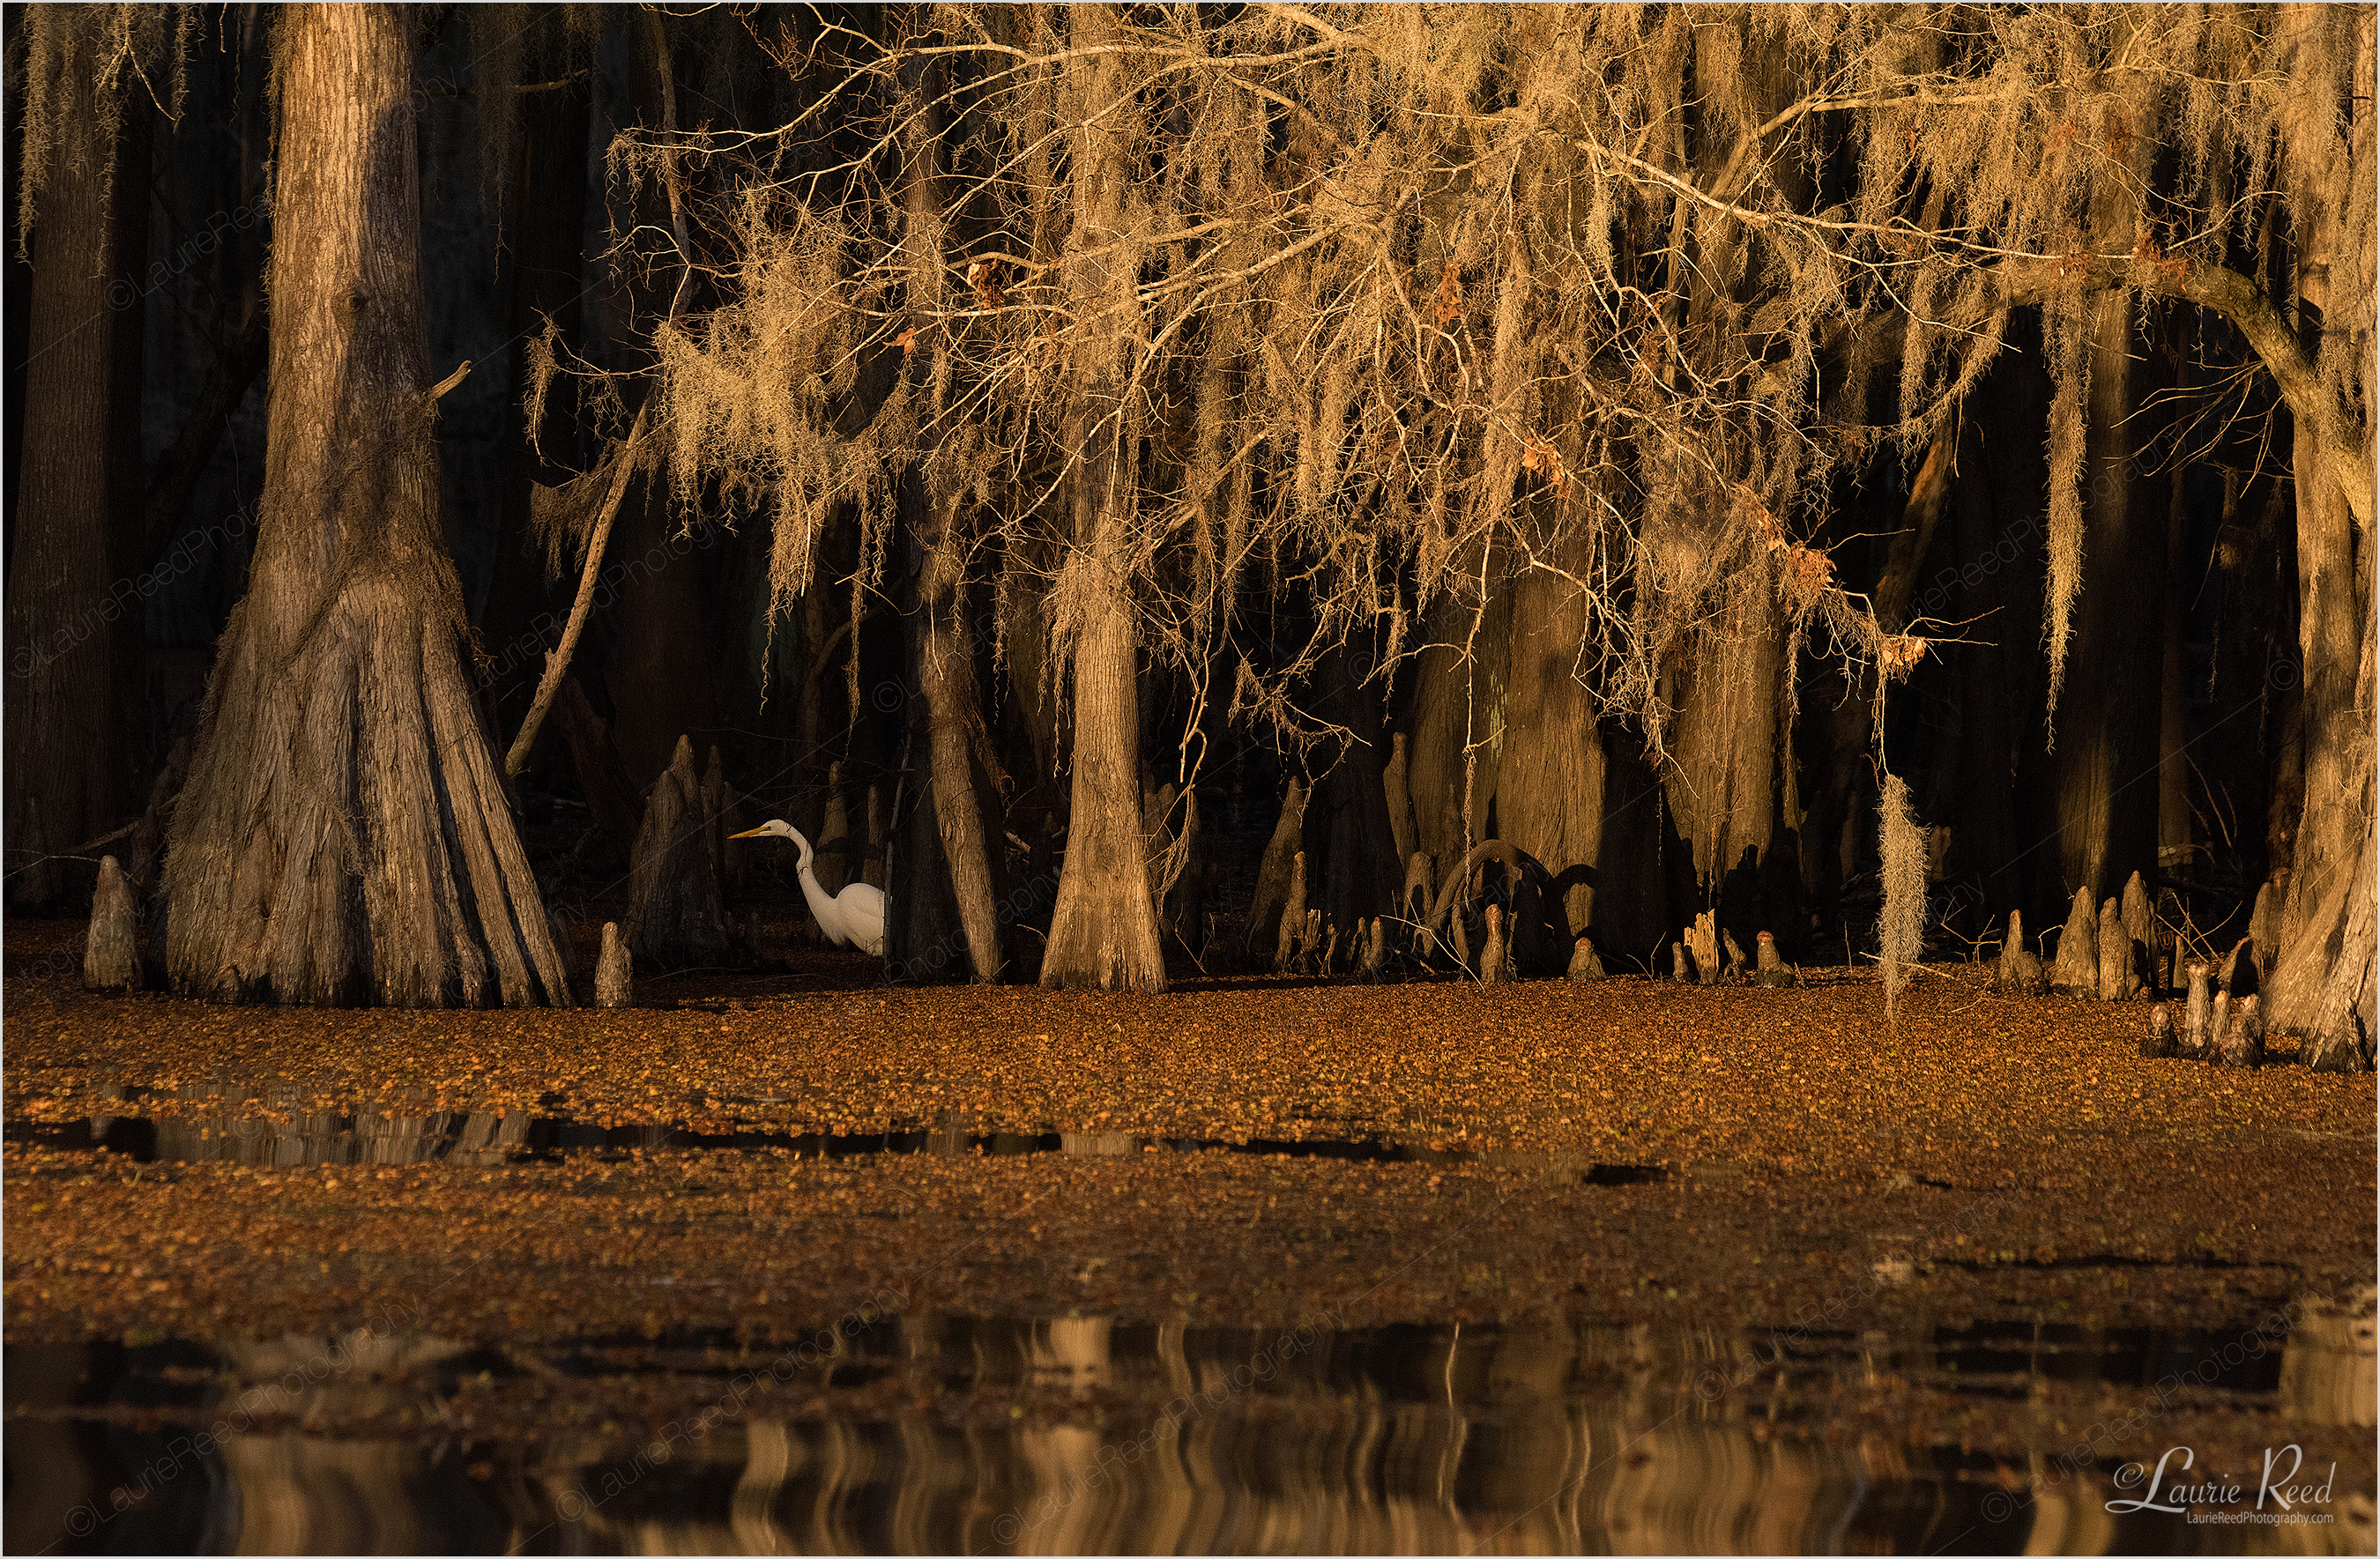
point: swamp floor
(786, 1259)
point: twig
(557, 660)
(452, 379)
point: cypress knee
(1771, 974)
(111, 957)
(1491, 953)
(2139, 924)
(2198, 1013)
(1292, 925)
(674, 916)
(1735, 964)
(1275, 870)
(1583, 965)
(2264, 920)
(1701, 939)
(2158, 1043)
(2241, 969)
(2076, 969)
(2020, 972)
(2115, 954)
(1681, 964)
(2218, 1019)
(713, 795)
(612, 981)
(1376, 950)
(2243, 1036)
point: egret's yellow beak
(750, 833)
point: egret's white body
(854, 917)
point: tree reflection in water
(931, 1433)
(1080, 1435)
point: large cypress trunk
(1458, 692)
(2323, 987)
(1992, 679)
(2108, 721)
(75, 630)
(2324, 984)
(1725, 739)
(943, 646)
(1103, 933)
(1551, 800)
(1361, 873)
(344, 835)
(946, 675)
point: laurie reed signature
(2224, 1499)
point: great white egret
(855, 915)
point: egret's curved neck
(823, 908)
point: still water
(939, 1433)
(951, 1434)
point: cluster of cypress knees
(2115, 954)
(1307, 944)
(1705, 953)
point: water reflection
(1078, 1434)
(282, 1123)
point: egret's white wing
(862, 908)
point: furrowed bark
(945, 648)
(343, 836)
(1104, 931)
(1551, 798)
